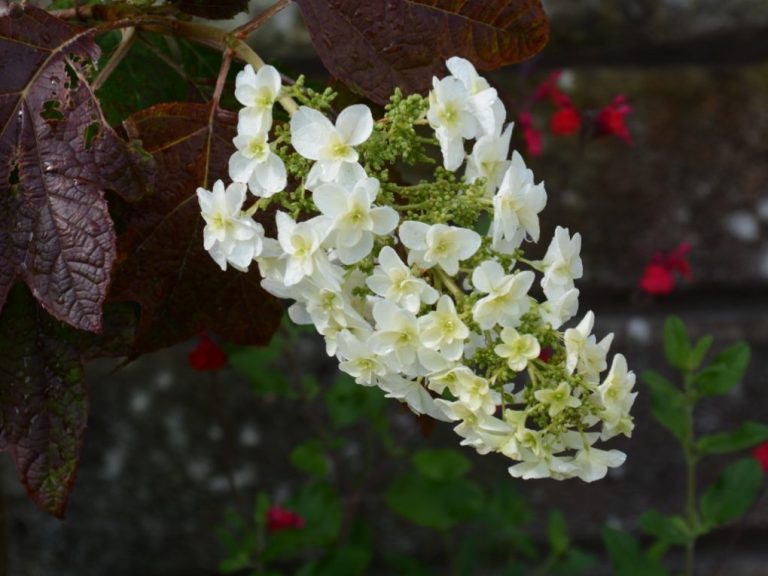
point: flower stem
(691, 459)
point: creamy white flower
(617, 398)
(489, 160)
(393, 280)
(451, 116)
(331, 146)
(301, 244)
(257, 91)
(592, 463)
(359, 361)
(484, 102)
(516, 207)
(583, 352)
(561, 309)
(576, 340)
(438, 244)
(397, 333)
(507, 298)
(229, 236)
(414, 394)
(255, 163)
(517, 348)
(354, 219)
(558, 399)
(443, 330)
(562, 263)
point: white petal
(355, 124)
(269, 77)
(240, 167)
(355, 253)
(310, 132)
(271, 175)
(385, 220)
(414, 234)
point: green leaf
(438, 505)
(725, 371)
(627, 557)
(747, 435)
(558, 533)
(699, 351)
(733, 493)
(345, 561)
(441, 464)
(671, 529)
(677, 346)
(310, 457)
(667, 403)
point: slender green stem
(691, 459)
(128, 36)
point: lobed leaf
(375, 47)
(43, 401)
(57, 158)
(164, 266)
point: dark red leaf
(57, 158)
(181, 291)
(213, 9)
(375, 47)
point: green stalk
(691, 459)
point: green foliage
(310, 457)
(668, 404)
(627, 557)
(677, 346)
(441, 465)
(733, 493)
(724, 372)
(747, 435)
(669, 529)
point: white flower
(257, 91)
(414, 394)
(438, 244)
(576, 340)
(558, 398)
(443, 330)
(583, 352)
(484, 102)
(560, 309)
(489, 159)
(592, 463)
(507, 298)
(517, 348)
(451, 118)
(394, 281)
(516, 207)
(562, 263)
(358, 360)
(617, 398)
(397, 333)
(229, 236)
(332, 147)
(301, 244)
(255, 163)
(354, 221)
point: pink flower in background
(659, 274)
(530, 134)
(761, 455)
(611, 120)
(282, 519)
(548, 88)
(207, 355)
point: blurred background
(172, 453)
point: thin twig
(242, 32)
(129, 35)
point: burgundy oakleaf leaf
(163, 265)
(57, 158)
(375, 47)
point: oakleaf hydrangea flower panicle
(408, 294)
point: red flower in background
(548, 88)
(530, 134)
(611, 119)
(761, 455)
(207, 355)
(565, 121)
(282, 519)
(659, 274)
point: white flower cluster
(436, 314)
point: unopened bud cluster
(411, 291)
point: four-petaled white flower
(397, 333)
(301, 245)
(438, 244)
(331, 146)
(558, 399)
(451, 116)
(517, 348)
(562, 263)
(443, 330)
(489, 159)
(257, 91)
(229, 235)
(516, 207)
(394, 281)
(354, 220)
(507, 298)
(255, 162)
(484, 102)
